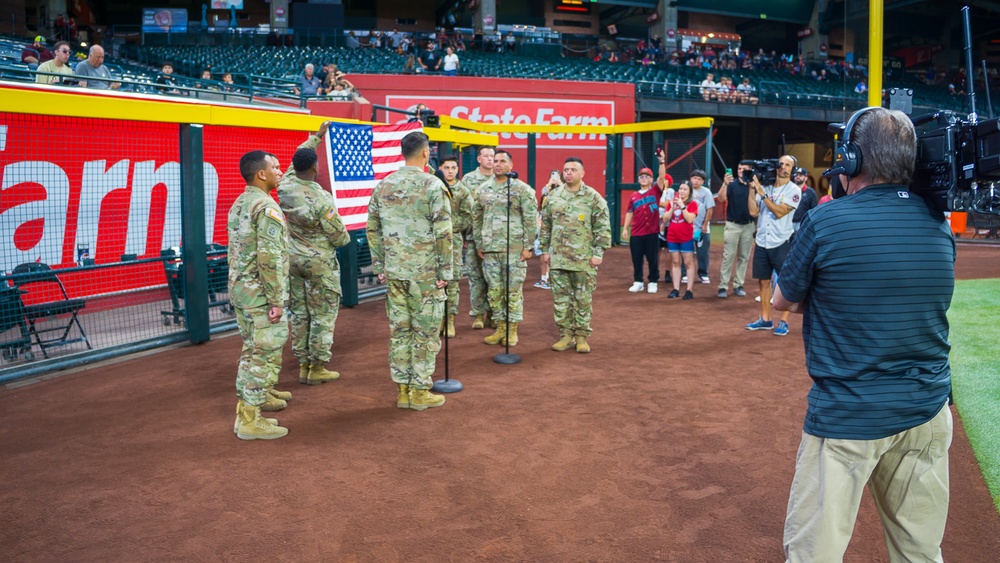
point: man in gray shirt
(706, 201)
(92, 68)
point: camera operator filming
(873, 274)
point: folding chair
(48, 299)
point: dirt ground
(673, 441)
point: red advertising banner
(112, 192)
(518, 101)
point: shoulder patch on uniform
(795, 198)
(331, 213)
(276, 215)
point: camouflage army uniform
(461, 223)
(410, 238)
(473, 263)
(575, 227)
(316, 231)
(489, 226)
(258, 280)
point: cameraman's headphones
(847, 159)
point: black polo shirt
(876, 271)
(737, 208)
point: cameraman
(773, 207)
(737, 239)
(874, 275)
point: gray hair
(310, 65)
(888, 145)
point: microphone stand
(446, 385)
(507, 357)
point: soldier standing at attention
(473, 263)
(576, 228)
(316, 231)
(258, 289)
(409, 235)
(461, 223)
(490, 210)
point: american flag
(361, 155)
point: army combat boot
(318, 374)
(451, 325)
(421, 399)
(581, 344)
(239, 406)
(251, 426)
(510, 337)
(403, 399)
(303, 372)
(479, 322)
(566, 341)
(273, 404)
(283, 395)
(497, 335)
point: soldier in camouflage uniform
(461, 223)
(410, 238)
(576, 230)
(316, 231)
(489, 225)
(473, 263)
(258, 289)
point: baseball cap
(39, 39)
(800, 170)
(668, 180)
(699, 173)
(645, 171)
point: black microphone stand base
(447, 386)
(507, 358)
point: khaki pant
(907, 474)
(737, 241)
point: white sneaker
(704, 279)
(636, 287)
(652, 287)
(684, 279)
(757, 299)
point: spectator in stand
(642, 228)
(861, 88)
(93, 68)
(746, 92)
(450, 62)
(166, 78)
(36, 53)
(227, 80)
(512, 42)
(708, 88)
(725, 91)
(953, 92)
(822, 77)
(352, 41)
(308, 83)
(430, 60)
(206, 81)
(58, 65)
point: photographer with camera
(773, 206)
(873, 274)
(737, 241)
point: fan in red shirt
(680, 218)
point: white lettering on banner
(522, 111)
(97, 182)
(51, 210)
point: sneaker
(653, 288)
(688, 295)
(704, 279)
(722, 294)
(542, 284)
(684, 279)
(674, 294)
(760, 324)
(781, 329)
(738, 292)
(757, 299)
(636, 287)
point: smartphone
(659, 150)
(729, 171)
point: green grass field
(975, 367)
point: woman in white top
(450, 62)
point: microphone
(512, 175)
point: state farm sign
(523, 111)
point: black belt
(742, 222)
